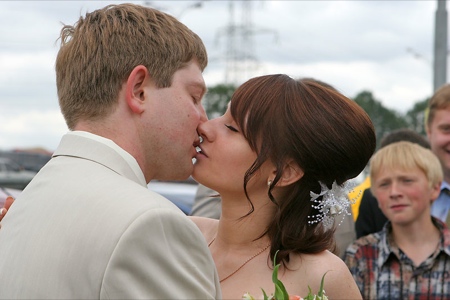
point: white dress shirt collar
(126, 156)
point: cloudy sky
(353, 45)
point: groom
(129, 82)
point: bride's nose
(206, 131)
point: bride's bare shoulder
(207, 226)
(324, 256)
(318, 262)
(321, 262)
(339, 282)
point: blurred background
(388, 56)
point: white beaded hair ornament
(334, 201)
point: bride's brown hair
(327, 135)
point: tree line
(384, 119)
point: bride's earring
(269, 183)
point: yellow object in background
(356, 195)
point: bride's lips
(201, 151)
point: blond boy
(410, 257)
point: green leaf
(265, 295)
(310, 295)
(280, 290)
(320, 294)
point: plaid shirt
(382, 271)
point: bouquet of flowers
(281, 293)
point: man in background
(438, 132)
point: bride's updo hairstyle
(329, 136)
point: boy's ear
(435, 191)
(135, 89)
(291, 173)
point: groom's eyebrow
(198, 86)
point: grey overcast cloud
(385, 47)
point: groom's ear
(135, 89)
(291, 173)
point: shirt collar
(388, 248)
(445, 235)
(385, 245)
(445, 185)
(124, 154)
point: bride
(278, 141)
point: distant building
(30, 159)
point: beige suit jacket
(85, 228)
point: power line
(240, 55)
